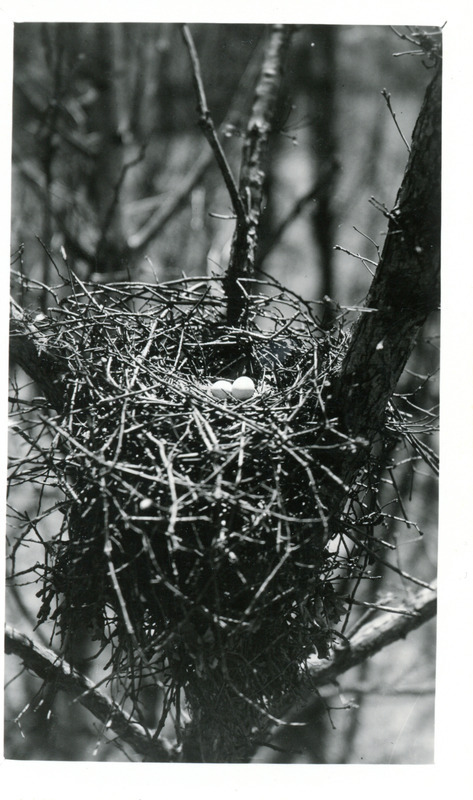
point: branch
(51, 668)
(180, 196)
(252, 175)
(384, 630)
(387, 98)
(208, 127)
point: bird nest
(194, 536)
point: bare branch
(208, 127)
(378, 633)
(261, 121)
(51, 668)
(387, 97)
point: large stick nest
(195, 529)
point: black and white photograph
(222, 492)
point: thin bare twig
(208, 127)
(387, 97)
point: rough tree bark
(406, 287)
(404, 291)
(252, 174)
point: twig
(379, 607)
(208, 127)
(365, 235)
(180, 196)
(373, 637)
(51, 668)
(387, 97)
(365, 261)
(393, 568)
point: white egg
(243, 388)
(221, 389)
(145, 504)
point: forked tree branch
(51, 668)
(247, 198)
(180, 195)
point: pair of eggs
(241, 389)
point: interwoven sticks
(194, 530)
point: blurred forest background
(111, 170)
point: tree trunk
(404, 291)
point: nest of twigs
(195, 531)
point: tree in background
(211, 544)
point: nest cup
(196, 544)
